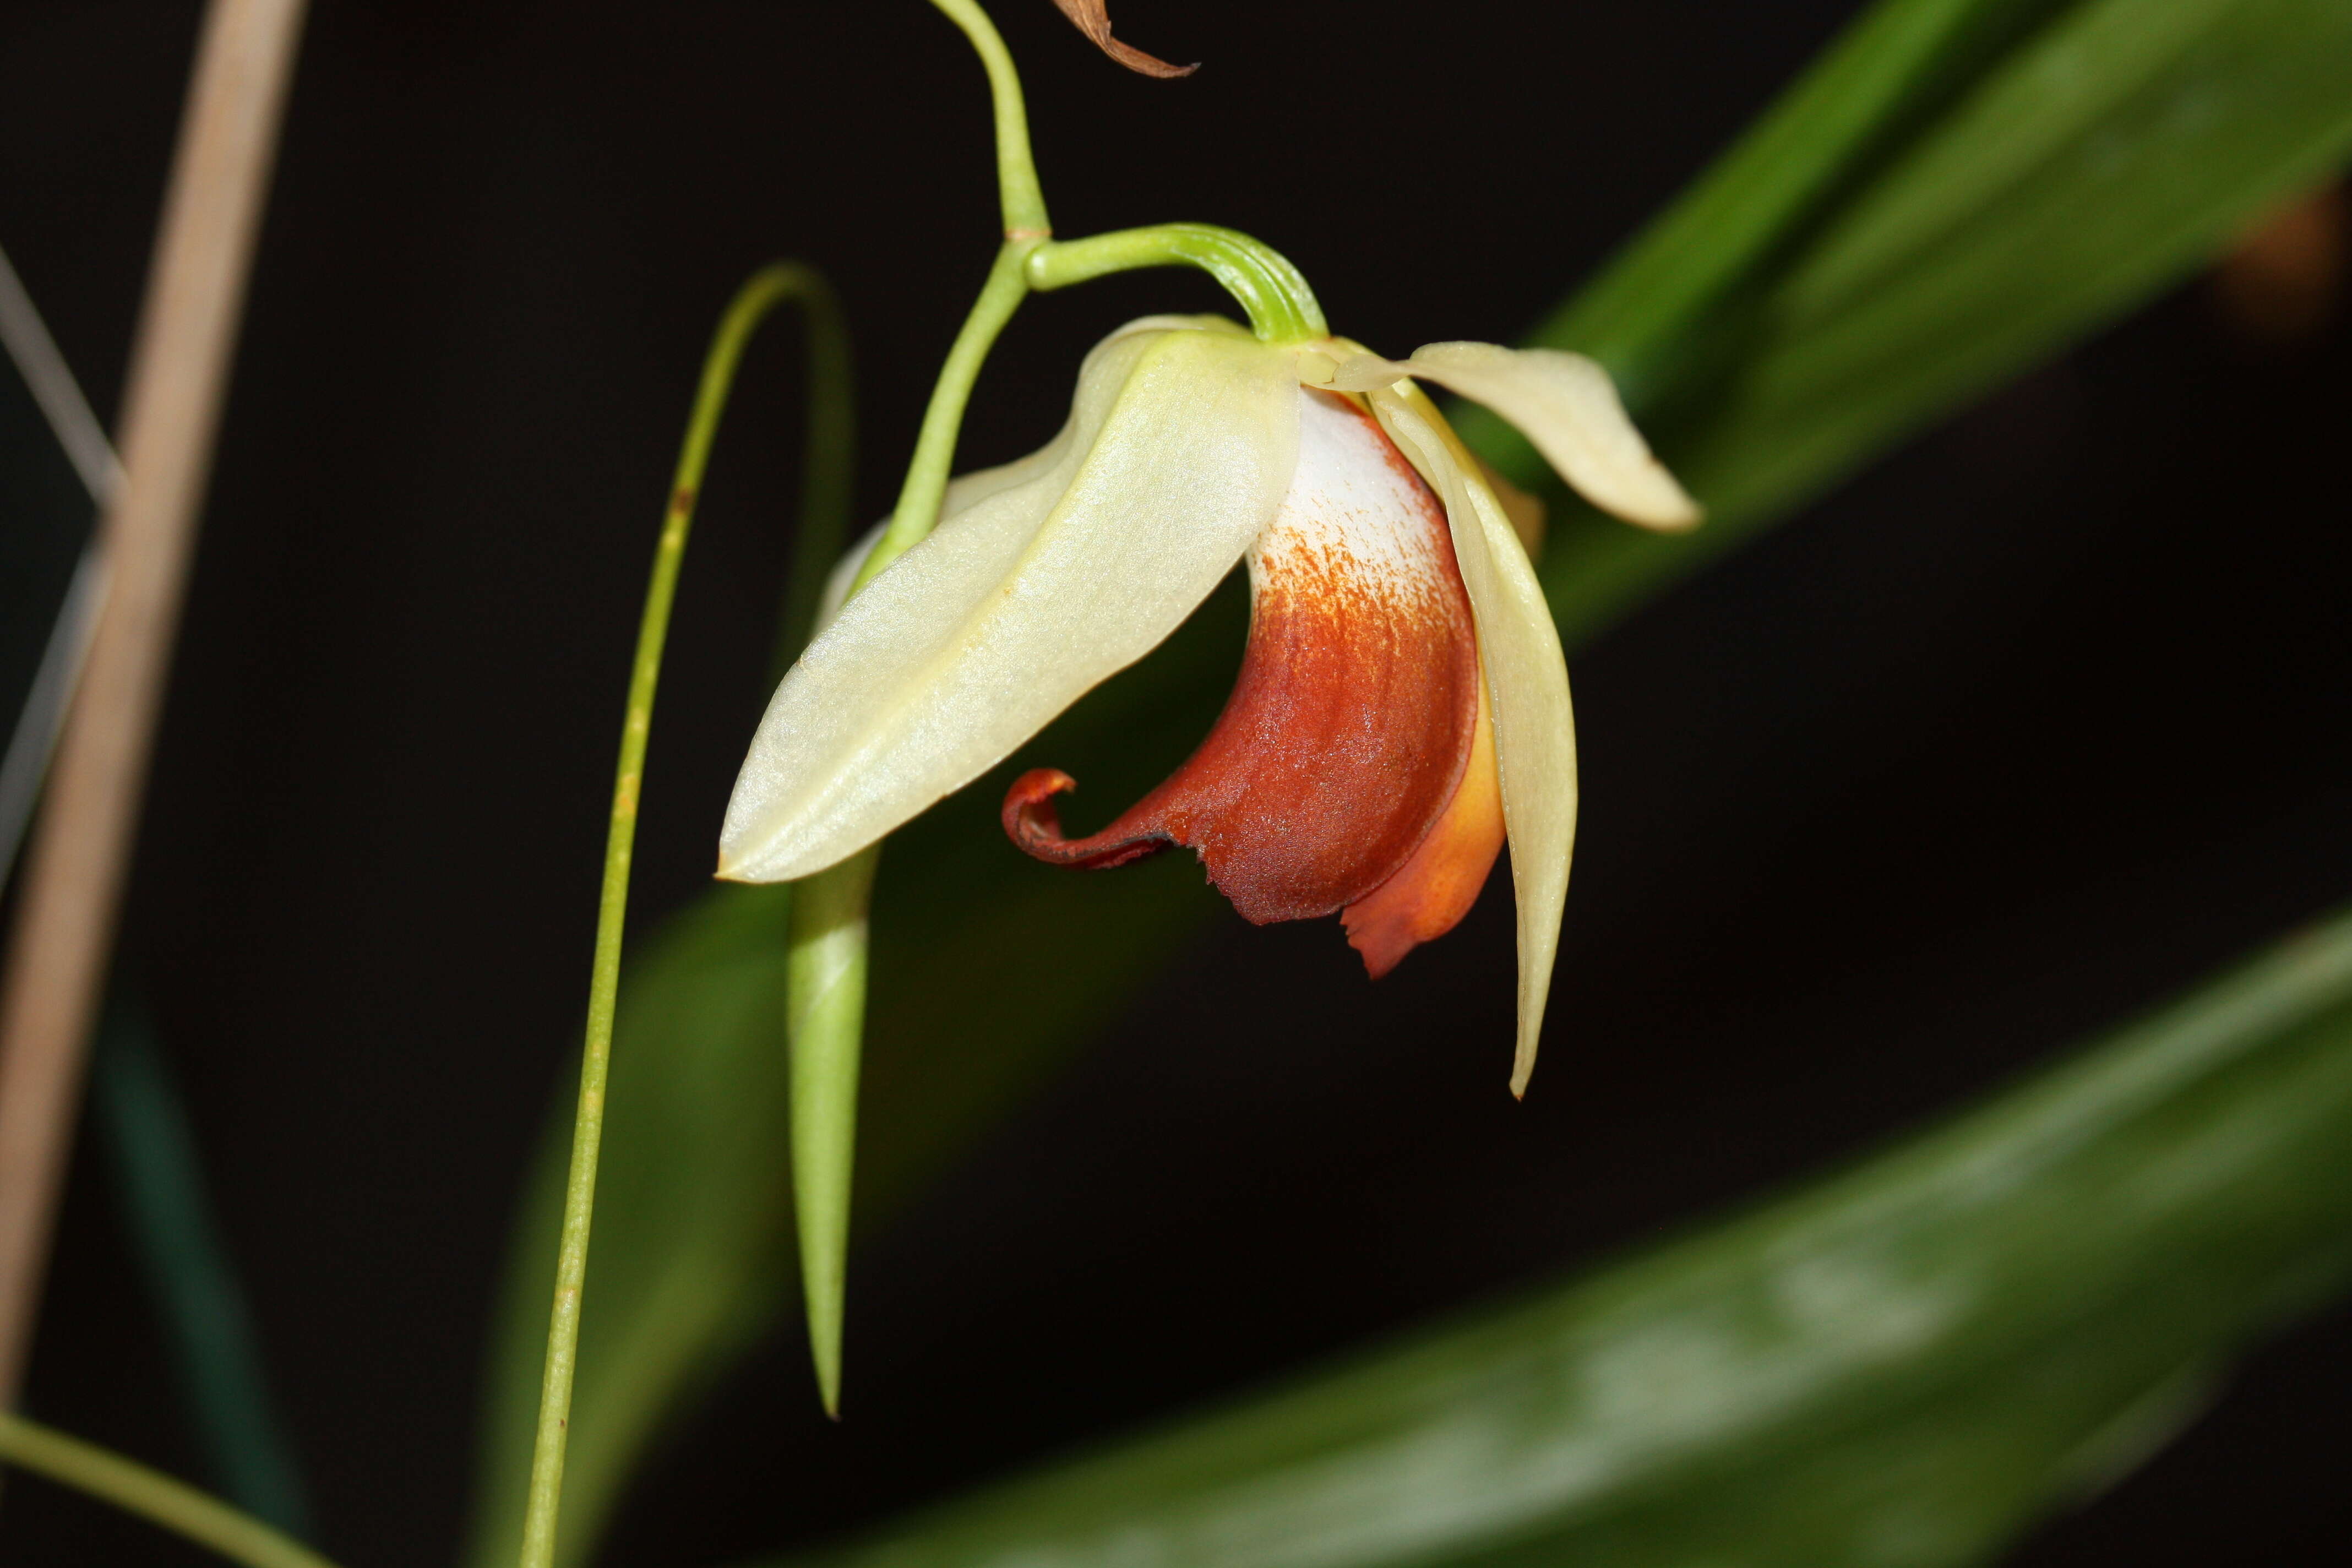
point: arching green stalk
(1282, 309)
(1281, 306)
(769, 288)
(1017, 190)
(927, 472)
(151, 1495)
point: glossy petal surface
(1356, 704)
(1180, 445)
(1432, 891)
(1566, 404)
(1527, 676)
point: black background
(2029, 725)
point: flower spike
(1402, 709)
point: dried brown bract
(1093, 19)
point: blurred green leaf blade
(1884, 78)
(1901, 1364)
(2110, 151)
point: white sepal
(1526, 682)
(1566, 404)
(1180, 445)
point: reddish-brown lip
(1433, 889)
(1348, 732)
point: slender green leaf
(824, 1035)
(2108, 153)
(1891, 74)
(1900, 1366)
(161, 1184)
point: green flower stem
(824, 1020)
(1282, 308)
(1016, 171)
(927, 473)
(768, 287)
(151, 1495)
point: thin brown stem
(179, 369)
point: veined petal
(1180, 446)
(1566, 404)
(1356, 709)
(1527, 678)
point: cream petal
(1368, 372)
(967, 490)
(1180, 445)
(1224, 326)
(1527, 683)
(964, 492)
(1566, 404)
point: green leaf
(2093, 163)
(1958, 189)
(1901, 1365)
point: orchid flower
(1403, 707)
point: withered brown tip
(1035, 827)
(1092, 17)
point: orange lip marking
(1429, 896)
(1350, 727)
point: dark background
(2030, 724)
